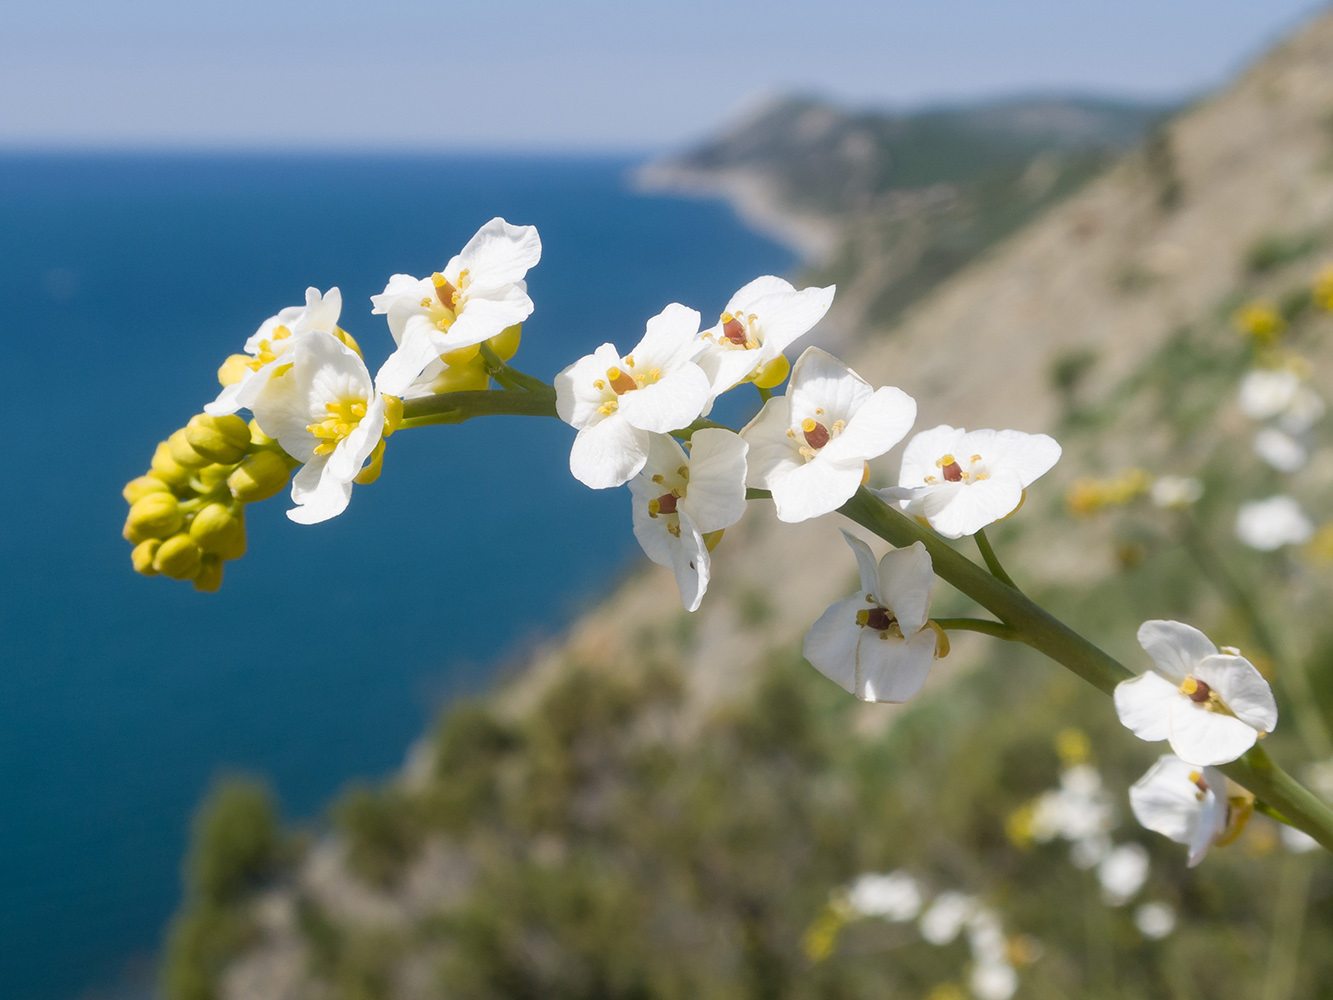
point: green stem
(992, 560)
(508, 376)
(686, 432)
(764, 394)
(455, 407)
(998, 629)
(1037, 628)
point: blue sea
(124, 282)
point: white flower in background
(759, 323)
(1189, 804)
(1079, 811)
(810, 446)
(1267, 525)
(271, 341)
(1122, 874)
(992, 977)
(1280, 450)
(1210, 705)
(960, 481)
(1267, 393)
(993, 981)
(324, 410)
(1297, 841)
(1175, 492)
(617, 403)
(1155, 920)
(479, 293)
(877, 644)
(895, 896)
(680, 499)
(946, 916)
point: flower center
(668, 503)
(879, 620)
(665, 504)
(1196, 690)
(449, 299)
(266, 352)
(620, 381)
(817, 434)
(952, 471)
(738, 331)
(343, 418)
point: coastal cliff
(660, 803)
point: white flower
(993, 981)
(324, 410)
(1267, 525)
(810, 446)
(272, 340)
(960, 481)
(895, 896)
(1210, 705)
(478, 294)
(679, 500)
(759, 323)
(1186, 803)
(1122, 874)
(1089, 852)
(1175, 492)
(946, 916)
(1155, 920)
(1079, 810)
(877, 644)
(618, 403)
(1266, 393)
(1280, 450)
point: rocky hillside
(660, 805)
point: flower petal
(401, 368)
(608, 453)
(1144, 705)
(816, 488)
(1242, 689)
(968, 507)
(669, 404)
(715, 496)
(865, 564)
(878, 424)
(689, 556)
(906, 578)
(669, 339)
(824, 389)
(577, 399)
(892, 669)
(1176, 648)
(1166, 801)
(924, 450)
(500, 253)
(830, 645)
(772, 453)
(1201, 737)
(318, 495)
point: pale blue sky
(583, 74)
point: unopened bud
(211, 475)
(167, 468)
(774, 373)
(141, 486)
(218, 439)
(156, 515)
(143, 555)
(712, 538)
(234, 368)
(471, 377)
(373, 468)
(178, 557)
(209, 577)
(219, 530)
(179, 446)
(258, 477)
(505, 343)
(462, 356)
(347, 339)
(257, 436)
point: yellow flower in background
(1089, 496)
(1322, 293)
(1260, 321)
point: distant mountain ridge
(919, 193)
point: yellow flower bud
(258, 477)
(219, 439)
(167, 468)
(180, 449)
(460, 357)
(505, 343)
(178, 557)
(234, 368)
(156, 515)
(209, 578)
(774, 373)
(219, 530)
(258, 438)
(141, 486)
(211, 475)
(393, 414)
(469, 377)
(143, 555)
(347, 339)
(373, 468)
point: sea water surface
(124, 282)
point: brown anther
(952, 473)
(444, 291)
(816, 434)
(878, 619)
(1200, 693)
(733, 329)
(620, 382)
(666, 503)
(1199, 783)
